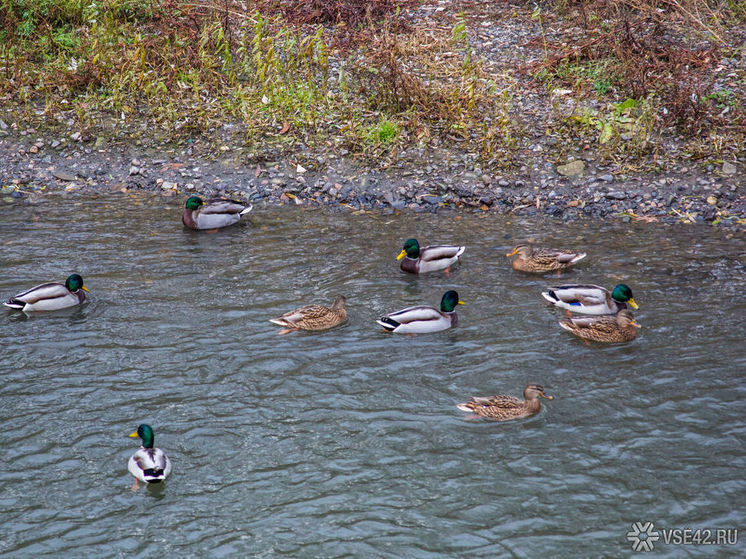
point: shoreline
(35, 161)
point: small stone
(64, 175)
(712, 200)
(3, 125)
(729, 168)
(33, 149)
(167, 185)
(616, 195)
(134, 170)
(300, 168)
(75, 137)
(572, 169)
(608, 177)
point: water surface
(348, 442)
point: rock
(712, 200)
(572, 169)
(729, 168)
(33, 149)
(134, 170)
(709, 214)
(3, 125)
(75, 137)
(615, 195)
(608, 177)
(64, 175)
(167, 185)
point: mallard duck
(313, 317)
(607, 328)
(148, 464)
(542, 260)
(50, 296)
(423, 319)
(418, 260)
(504, 408)
(590, 299)
(213, 214)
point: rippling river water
(348, 442)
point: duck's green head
(449, 301)
(145, 432)
(194, 202)
(623, 294)
(411, 249)
(75, 282)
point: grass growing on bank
(190, 67)
(659, 61)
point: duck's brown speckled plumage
(504, 408)
(314, 317)
(541, 260)
(607, 328)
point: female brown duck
(503, 408)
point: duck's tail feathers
(566, 324)
(550, 296)
(248, 208)
(14, 303)
(388, 323)
(464, 407)
(279, 322)
(153, 475)
(578, 258)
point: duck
(149, 464)
(542, 260)
(505, 408)
(313, 317)
(590, 299)
(607, 328)
(51, 296)
(416, 260)
(424, 319)
(215, 213)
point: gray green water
(348, 442)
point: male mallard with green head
(50, 296)
(215, 213)
(423, 319)
(418, 260)
(149, 464)
(590, 299)
(606, 328)
(542, 260)
(313, 317)
(504, 408)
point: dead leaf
(285, 127)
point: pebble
(729, 168)
(571, 169)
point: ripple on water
(349, 442)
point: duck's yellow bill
(84, 288)
(133, 435)
(548, 397)
(633, 323)
(633, 304)
(512, 253)
(401, 255)
(460, 302)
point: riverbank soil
(629, 110)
